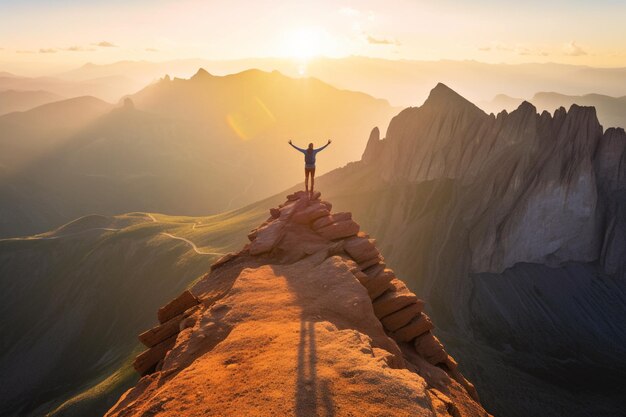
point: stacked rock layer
(304, 227)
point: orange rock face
(294, 328)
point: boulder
(394, 299)
(275, 213)
(267, 237)
(339, 230)
(430, 348)
(333, 218)
(403, 316)
(177, 306)
(378, 284)
(371, 262)
(361, 249)
(147, 360)
(164, 331)
(298, 195)
(451, 363)
(310, 213)
(416, 327)
(221, 261)
(375, 269)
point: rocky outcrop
(310, 296)
(518, 169)
(373, 147)
(161, 339)
(502, 223)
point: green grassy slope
(74, 300)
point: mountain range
(510, 226)
(109, 88)
(187, 147)
(611, 110)
(14, 100)
(402, 82)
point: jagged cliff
(517, 170)
(512, 226)
(305, 320)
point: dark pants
(307, 172)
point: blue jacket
(309, 155)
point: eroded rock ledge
(305, 320)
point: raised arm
(322, 148)
(301, 150)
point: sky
(38, 35)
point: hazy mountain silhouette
(13, 100)
(402, 82)
(189, 147)
(611, 110)
(109, 88)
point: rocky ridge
(512, 226)
(512, 172)
(349, 292)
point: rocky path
(305, 320)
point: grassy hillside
(75, 299)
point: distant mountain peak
(201, 74)
(442, 95)
(527, 106)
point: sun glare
(308, 42)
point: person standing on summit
(309, 163)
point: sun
(305, 43)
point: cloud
(573, 49)
(484, 48)
(381, 41)
(76, 48)
(152, 50)
(47, 50)
(24, 51)
(105, 44)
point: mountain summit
(444, 95)
(305, 320)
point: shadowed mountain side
(452, 193)
(305, 320)
(189, 147)
(26, 136)
(95, 283)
